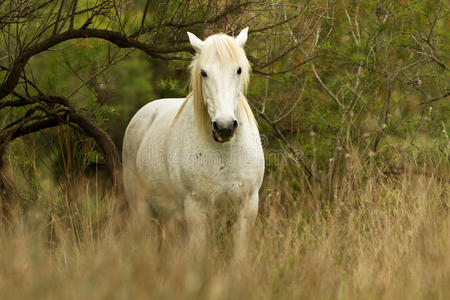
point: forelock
(224, 48)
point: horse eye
(239, 71)
(203, 73)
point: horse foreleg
(196, 219)
(244, 226)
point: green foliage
(359, 47)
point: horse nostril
(235, 124)
(215, 126)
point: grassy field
(381, 237)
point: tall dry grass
(381, 237)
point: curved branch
(105, 143)
(36, 126)
(101, 137)
(14, 103)
(117, 38)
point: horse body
(169, 163)
(182, 170)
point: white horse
(185, 156)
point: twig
(326, 89)
(385, 118)
(258, 72)
(298, 154)
(144, 16)
(279, 119)
(58, 17)
(72, 15)
(436, 98)
(100, 71)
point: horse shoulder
(144, 137)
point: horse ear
(196, 43)
(242, 37)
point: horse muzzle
(223, 131)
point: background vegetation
(352, 102)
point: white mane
(228, 52)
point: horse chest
(217, 174)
